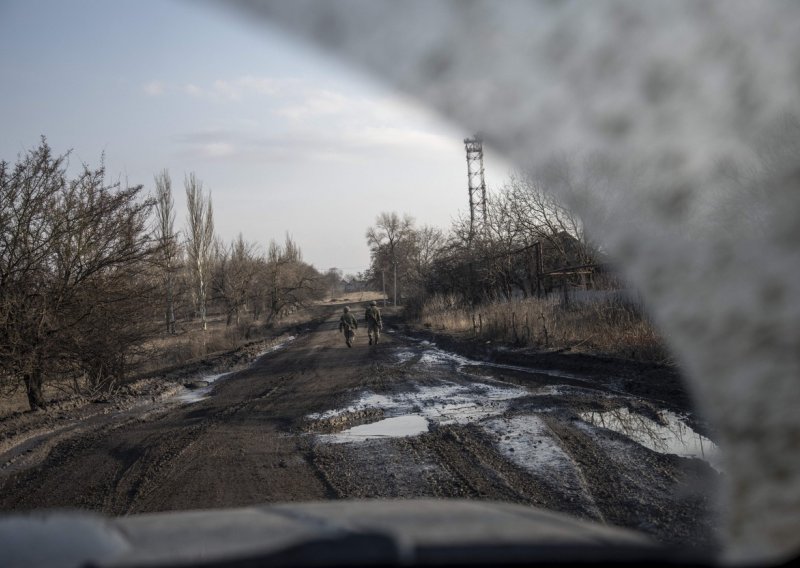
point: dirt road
(316, 420)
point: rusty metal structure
(476, 184)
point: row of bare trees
(91, 271)
(526, 233)
(237, 277)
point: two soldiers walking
(348, 324)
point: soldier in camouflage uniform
(374, 323)
(348, 325)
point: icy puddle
(397, 427)
(410, 413)
(445, 403)
(202, 393)
(523, 439)
(671, 437)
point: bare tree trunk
(165, 231)
(33, 387)
(201, 239)
(170, 306)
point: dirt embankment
(317, 420)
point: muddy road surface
(315, 420)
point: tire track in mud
(477, 470)
(585, 494)
(157, 471)
(143, 469)
(129, 459)
(595, 470)
(635, 487)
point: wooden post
(538, 268)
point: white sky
(285, 138)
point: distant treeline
(525, 235)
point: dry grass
(191, 342)
(345, 298)
(168, 351)
(610, 327)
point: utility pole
(395, 283)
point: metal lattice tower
(477, 185)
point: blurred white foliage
(673, 129)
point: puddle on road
(524, 439)
(671, 437)
(434, 356)
(277, 346)
(445, 403)
(397, 427)
(202, 393)
(410, 413)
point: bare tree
(287, 281)
(200, 240)
(429, 241)
(386, 237)
(235, 271)
(332, 279)
(168, 241)
(543, 218)
(73, 255)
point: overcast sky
(285, 138)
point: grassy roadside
(165, 360)
(611, 328)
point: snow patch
(196, 395)
(277, 346)
(526, 441)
